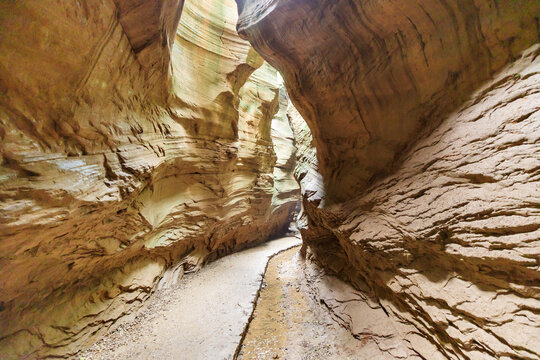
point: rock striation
(417, 130)
(136, 136)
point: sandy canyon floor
(287, 324)
(206, 315)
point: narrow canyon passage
(151, 149)
(201, 317)
(252, 305)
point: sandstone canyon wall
(136, 136)
(421, 174)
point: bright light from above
(279, 78)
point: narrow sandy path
(287, 323)
(203, 318)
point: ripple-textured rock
(130, 143)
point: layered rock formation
(421, 175)
(131, 141)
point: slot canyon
(270, 179)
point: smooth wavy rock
(131, 141)
(421, 175)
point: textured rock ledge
(421, 178)
(127, 147)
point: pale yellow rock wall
(127, 145)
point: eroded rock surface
(421, 179)
(131, 141)
(368, 76)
